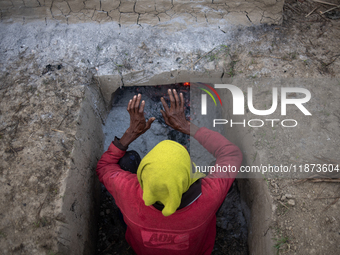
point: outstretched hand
(138, 124)
(175, 116)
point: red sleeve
(227, 155)
(108, 164)
(110, 174)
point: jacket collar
(188, 197)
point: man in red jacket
(167, 211)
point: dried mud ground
(39, 107)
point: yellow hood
(164, 175)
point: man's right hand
(175, 116)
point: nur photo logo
(238, 104)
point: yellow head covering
(164, 175)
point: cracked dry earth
(39, 108)
(142, 12)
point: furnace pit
(232, 228)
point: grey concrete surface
(76, 225)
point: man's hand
(175, 116)
(138, 124)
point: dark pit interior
(232, 228)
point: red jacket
(190, 230)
